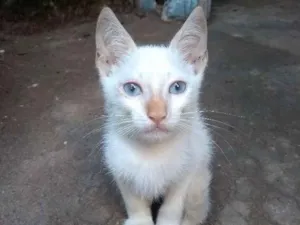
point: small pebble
(33, 85)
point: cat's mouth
(156, 129)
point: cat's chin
(154, 137)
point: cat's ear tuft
(191, 40)
(112, 41)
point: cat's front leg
(138, 209)
(197, 204)
(171, 211)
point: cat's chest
(148, 173)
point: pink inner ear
(192, 58)
(111, 60)
(195, 61)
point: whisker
(97, 130)
(103, 116)
(222, 152)
(222, 113)
(85, 124)
(210, 127)
(221, 128)
(95, 148)
(119, 123)
(214, 126)
(184, 126)
(226, 124)
(214, 111)
(124, 130)
(232, 149)
(217, 121)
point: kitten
(155, 140)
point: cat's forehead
(154, 61)
(153, 66)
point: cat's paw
(194, 220)
(139, 221)
(168, 221)
(188, 222)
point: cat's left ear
(191, 40)
(112, 41)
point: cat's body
(156, 143)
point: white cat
(156, 143)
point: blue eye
(132, 89)
(177, 87)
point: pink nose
(156, 110)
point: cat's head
(151, 92)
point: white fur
(148, 165)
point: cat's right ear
(191, 40)
(112, 41)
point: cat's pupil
(177, 87)
(132, 87)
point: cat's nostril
(157, 118)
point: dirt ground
(51, 171)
